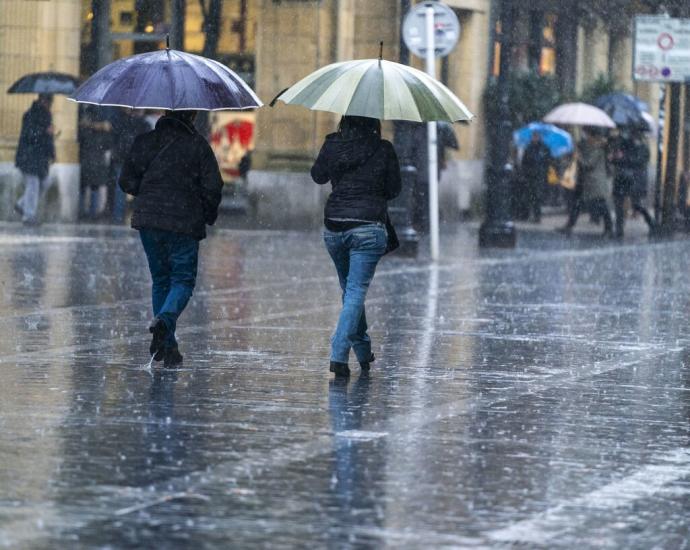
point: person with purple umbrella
(176, 183)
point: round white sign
(446, 29)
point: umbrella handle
(273, 101)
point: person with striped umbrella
(364, 173)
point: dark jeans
(628, 184)
(535, 190)
(172, 261)
(597, 207)
(355, 254)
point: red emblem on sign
(665, 41)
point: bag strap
(158, 154)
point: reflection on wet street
(537, 397)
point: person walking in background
(630, 160)
(365, 174)
(127, 125)
(35, 153)
(174, 178)
(95, 152)
(594, 181)
(535, 167)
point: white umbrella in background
(579, 114)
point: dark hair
(595, 131)
(358, 126)
(185, 116)
(45, 97)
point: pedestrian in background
(174, 178)
(593, 180)
(127, 125)
(630, 160)
(536, 161)
(364, 173)
(35, 153)
(95, 153)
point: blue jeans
(355, 254)
(172, 261)
(33, 187)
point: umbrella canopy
(624, 109)
(558, 141)
(45, 83)
(651, 123)
(378, 89)
(167, 79)
(579, 114)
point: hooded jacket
(364, 175)
(36, 147)
(174, 177)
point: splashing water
(149, 367)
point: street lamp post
(404, 141)
(498, 230)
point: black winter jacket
(364, 174)
(174, 176)
(36, 147)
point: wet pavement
(535, 398)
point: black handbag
(393, 242)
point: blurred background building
(567, 51)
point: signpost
(662, 54)
(430, 30)
(662, 49)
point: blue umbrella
(167, 79)
(624, 109)
(558, 141)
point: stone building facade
(273, 43)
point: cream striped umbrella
(378, 89)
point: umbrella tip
(167, 41)
(381, 50)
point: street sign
(446, 29)
(431, 30)
(661, 49)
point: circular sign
(446, 29)
(665, 41)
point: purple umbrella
(167, 79)
(45, 83)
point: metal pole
(668, 204)
(658, 184)
(400, 208)
(432, 140)
(101, 23)
(498, 230)
(177, 27)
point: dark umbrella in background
(167, 79)
(45, 83)
(446, 135)
(625, 109)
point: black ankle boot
(366, 365)
(159, 330)
(340, 369)
(172, 358)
